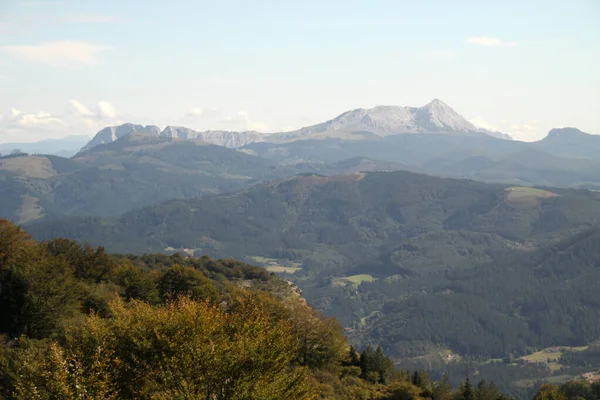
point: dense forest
(80, 323)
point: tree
(577, 390)
(178, 280)
(443, 389)
(37, 289)
(549, 392)
(367, 363)
(595, 388)
(354, 357)
(404, 390)
(466, 391)
(183, 350)
(88, 264)
(383, 365)
(137, 283)
(51, 295)
(487, 391)
(321, 342)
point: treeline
(78, 323)
(573, 390)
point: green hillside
(135, 171)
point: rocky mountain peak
(112, 133)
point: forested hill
(431, 269)
(79, 323)
(353, 216)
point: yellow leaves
(14, 243)
(182, 350)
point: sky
(71, 67)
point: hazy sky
(73, 66)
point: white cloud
(61, 54)
(39, 119)
(80, 108)
(194, 112)
(490, 42)
(17, 118)
(22, 126)
(103, 110)
(482, 123)
(527, 131)
(106, 110)
(16, 125)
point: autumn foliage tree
(182, 350)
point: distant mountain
(550, 162)
(570, 142)
(435, 117)
(358, 124)
(64, 147)
(112, 133)
(221, 138)
(138, 169)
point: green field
(547, 354)
(550, 357)
(353, 280)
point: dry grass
(353, 280)
(527, 196)
(30, 209)
(30, 167)
(282, 269)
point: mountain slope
(340, 211)
(136, 170)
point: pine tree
(468, 393)
(443, 389)
(354, 357)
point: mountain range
(435, 117)
(137, 169)
(142, 168)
